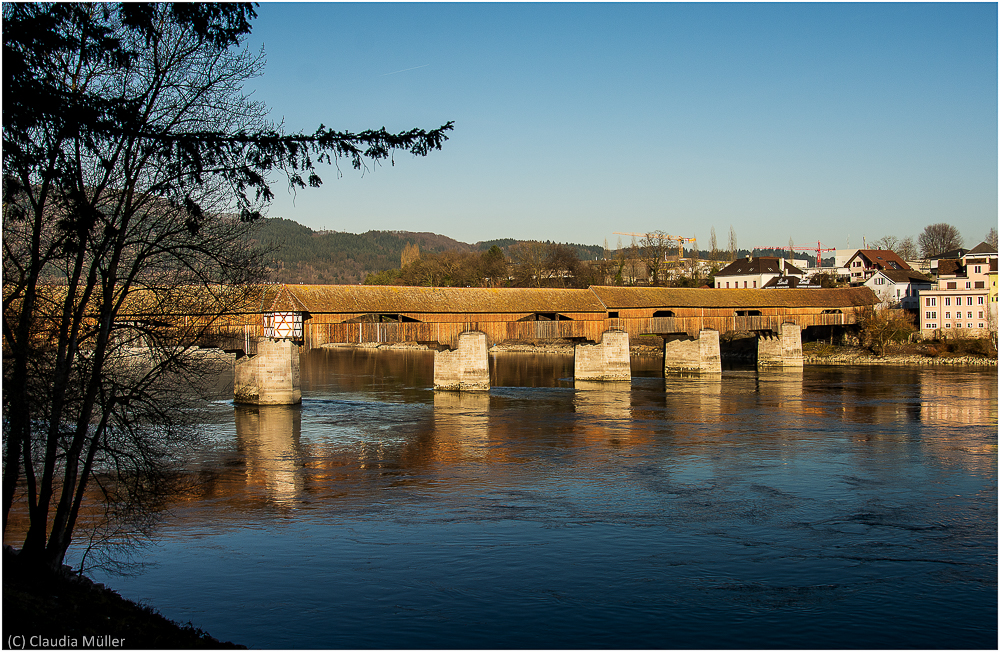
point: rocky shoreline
(63, 609)
(864, 358)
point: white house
(899, 288)
(756, 272)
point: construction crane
(680, 240)
(819, 249)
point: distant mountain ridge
(339, 258)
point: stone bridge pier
(467, 368)
(699, 355)
(271, 377)
(607, 360)
(782, 349)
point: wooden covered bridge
(314, 315)
(461, 323)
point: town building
(899, 288)
(757, 273)
(865, 262)
(964, 302)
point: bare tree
(906, 249)
(887, 242)
(991, 237)
(653, 248)
(903, 247)
(880, 327)
(732, 243)
(937, 239)
(134, 168)
(530, 262)
(411, 252)
(548, 264)
(713, 245)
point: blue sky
(812, 122)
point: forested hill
(333, 257)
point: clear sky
(812, 122)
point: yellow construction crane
(680, 240)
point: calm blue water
(840, 507)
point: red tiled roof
(880, 259)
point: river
(834, 507)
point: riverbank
(46, 609)
(817, 353)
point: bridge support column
(467, 368)
(271, 377)
(701, 355)
(781, 350)
(608, 360)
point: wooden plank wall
(241, 331)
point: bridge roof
(624, 297)
(319, 299)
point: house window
(968, 301)
(947, 325)
(969, 315)
(930, 315)
(968, 285)
(947, 315)
(744, 284)
(947, 301)
(755, 283)
(980, 324)
(727, 284)
(931, 301)
(980, 314)
(981, 300)
(968, 325)
(980, 285)
(952, 286)
(978, 269)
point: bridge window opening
(613, 314)
(663, 313)
(834, 311)
(748, 313)
(545, 316)
(397, 318)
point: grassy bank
(63, 610)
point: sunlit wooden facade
(314, 315)
(360, 314)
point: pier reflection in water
(268, 438)
(825, 507)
